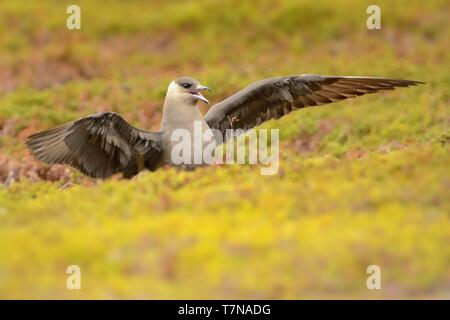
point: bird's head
(186, 90)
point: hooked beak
(197, 93)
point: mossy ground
(361, 182)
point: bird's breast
(189, 145)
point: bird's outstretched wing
(98, 145)
(275, 97)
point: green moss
(361, 182)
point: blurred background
(361, 182)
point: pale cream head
(186, 91)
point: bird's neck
(179, 115)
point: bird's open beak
(197, 93)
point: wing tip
(416, 82)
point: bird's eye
(186, 85)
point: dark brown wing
(98, 145)
(275, 97)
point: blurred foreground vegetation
(361, 182)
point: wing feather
(98, 145)
(275, 97)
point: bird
(103, 144)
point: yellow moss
(361, 182)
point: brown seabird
(104, 143)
